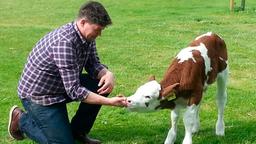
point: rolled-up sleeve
(93, 65)
(66, 61)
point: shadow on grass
(237, 132)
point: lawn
(143, 39)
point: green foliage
(143, 39)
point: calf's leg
(189, 120)
(196, 125)
(171, 137)
(221, 99)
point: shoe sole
(10, 120)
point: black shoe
(13, 126)
(86, 140)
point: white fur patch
(206, 34)
(186, 54)
(223, 60)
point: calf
(188, 76)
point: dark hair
(95, 13)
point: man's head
(92, 19)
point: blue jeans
(50, 124)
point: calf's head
(149, 96)
(146, 97)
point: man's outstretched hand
(119, 101)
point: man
(53, 76)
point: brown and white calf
(193, 69)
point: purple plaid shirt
(51, 74)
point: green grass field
(143, 39)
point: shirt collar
(79, 34)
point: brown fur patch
(190, 75)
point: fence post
(231, 5)
(242, 5)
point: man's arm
(93, 65)
(94, 98)
(65, 59)
(99, 71)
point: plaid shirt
(51, 74)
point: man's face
(90, 31)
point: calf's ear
(151, 78)
(167, 92)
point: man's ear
(151, 78)
(168, 91)
(83, 21)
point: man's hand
(119, 101)
(94, 98)
(106, 83)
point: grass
(144, 38)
